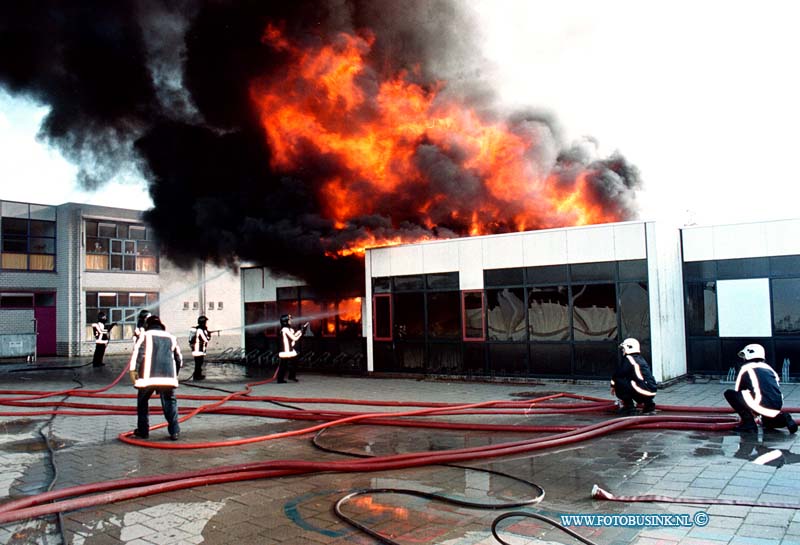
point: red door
(46, 326)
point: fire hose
(82, 496)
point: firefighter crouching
(154, 367)
(633, 380)
(758, 391)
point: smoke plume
(190, 93)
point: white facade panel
(744, 308)
(380, 262)
(544, 248)
(502, 252)
(629, 242)
(783, 237)
(738, 241)
(698, 243)
(590, 244)
(253, 284)
(440, 257)
(470, 263)
(406, 260)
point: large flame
(323, 105)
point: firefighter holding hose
(633, 380)
(101, 333)
(758, 392)
(288, 355)
(199, 337)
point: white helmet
(752, 352)
(630, 346)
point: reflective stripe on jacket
(156, 359)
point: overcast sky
(704, 97)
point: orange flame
(323, 105)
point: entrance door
(46, 326)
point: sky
(703, 97)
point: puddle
(26, 445)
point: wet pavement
(299, 510)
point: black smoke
(165, 86)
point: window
(548, 313)
(786, 306)
(121, 308)
(409, 315)
(382, 316)
(506, 314)
(16, 300)
(473, 313)
(120, 247)
(634, 310)
(444, 319)
(701, 308)
(594, 312)
(28, 234)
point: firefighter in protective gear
(138, 331)
(633, 380)
(287, 356)
(154, 367)
(757, 391)
(199, 336)
(101, 333)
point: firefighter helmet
(286, 320)
(102, 317)
(143, 315)
(201, 321)
(752, 352)
(630, 346)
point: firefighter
(758, 391)
(140, 320)
(154, 367)
(633, 380)
(199, 336)
(288, 355)
(101, 333)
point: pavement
(298, 510)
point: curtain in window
(43, 262)
(96, 262)
(15, 261)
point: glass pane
(137, 300)
(147, 264)
(129, 263)
(43, 212)
(307, 292)
(383, 317)
(506, 314)
(383, 354)
(45, 299)
(409, 316)
(444, 315)
(108, 299)
(129, 315)
(91, 299)
(136, 232)
(381, 284)
(743, 268)
(508, 359)
(410, 357)
(704, 357)
(409, 283)
(16, 301)
(445, 359)
(553, 274)
(548, 313)
(12, 226)
(443, 280)
(350, 317)
(116, 262)
(310, 312)
(43, 228)
(633, 270)
(146, 248)
(700, 270)
(288, 292)
(14, 210)
(786, 306)
(14, 261)
(122, 231)
(116, 316)
(587, 272)
(91, 228)
(116, 246)
(97, 245)
(91, 317)
(43, 262)
(123, 299)
(701, 308)
(634, 310)
(785, 265)
(473, 315)
(597, 360)
(129, 247)
(788, 350)
(127, 330)
(551, 359)
(594, 312)
(151, 297)
(43, 246)
(328, 319)
(503, 277)
(107, 230)
(288, 307)
(15, 244)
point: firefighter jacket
(289, 338)
(760, 387)
(100, 333)
(137, 332)
(634, 371)
(200, 336)
(156, 360)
